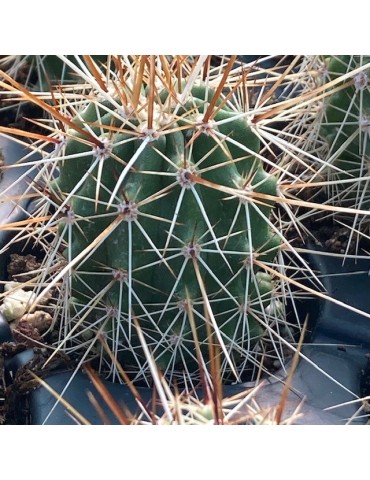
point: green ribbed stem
(188, 233)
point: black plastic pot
(338, 348)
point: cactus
(165, 212)
(344, 129)
(346, 121)
(162, 185)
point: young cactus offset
(165, 209)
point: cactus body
(179, 227)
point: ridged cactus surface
(163, 218)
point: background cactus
(344, 127)
(347, 111)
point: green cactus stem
(170, 197)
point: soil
(22, 268)
(334, 234)
(32, 328)
(333, 238)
